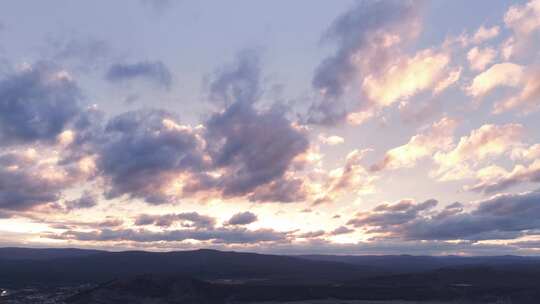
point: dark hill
(153, 289)
(204, 264)
(411, 264)
(452, 285)
(210, 276)
(19, 253)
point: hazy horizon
(293, 254)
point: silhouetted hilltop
(19, 253)
(205, 264)
(152, 289)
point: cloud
(36, 104)
(481, 35)
(359, 117)
(322, 246)
(22, 190)
(250, 147)
(367, 36)
(241, 151)
(406, 76)
(218, 235)
(351, 178)
(526, 153)
(186, 219)
(523, 21)
(26, 181)
(438, 137)
(332, 140)
(361, 31)
(142, 150)
(106, 223)
(341, 230)
(153, 71)
(527, 244)
(502, 180)
(506, 74)
(242, 218)
(485, 33)
(370, 53)
(311, 234)
(87, 200)
(444, 83)
(482, 143)
(528, 97)
(479, 58)
(83, 53)
(505, 216)
(485, 141)
(501, 74)
(253, 147)
(80, 143)
(386, 216)
(238, 82)
(494, 178)
(285, 190)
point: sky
(286, 127)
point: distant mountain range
(411, 263)
(73, 265)
(210, 276)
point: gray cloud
(359, 35)
(107, 222)
(140, 152)
(21, 190)
(87, 200)
(527, 244)
(153, 71)
(36, 104)
(131, 99)
(137, 153)
(82, 53)
(284, 190)
(312, 234)
(186, 219)
(523, 175)
(504, 216)
(238, 82)
(218, 235)
(312, 246)
(254, 146)
(242, 218)
(385, 216)
(341, 230)
(89, 135)
(24, 187)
